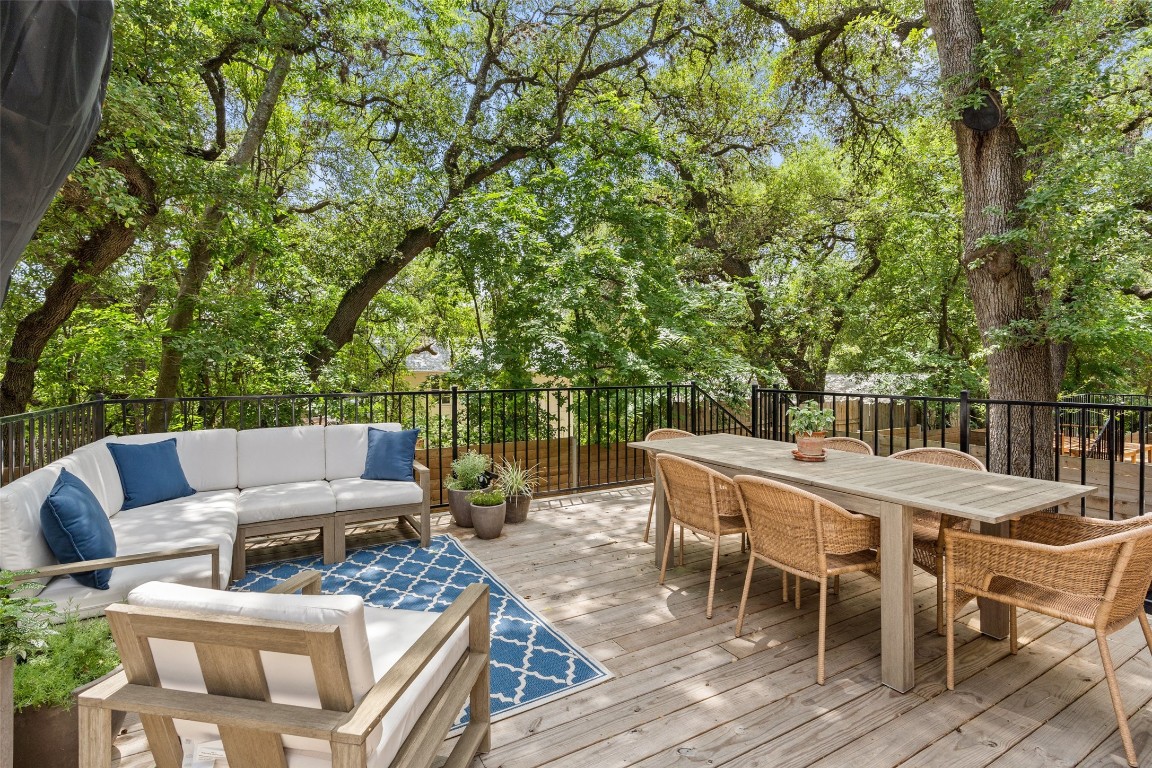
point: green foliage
(492, 498)
(77, 653)
(469, 472)
(24, 620)
(809, 417)
(514, 479)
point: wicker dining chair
(702, 500)
(1094, 573)
(928, 527)
(849, 444)
(659, 434)
(805, 535)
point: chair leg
(1117, 703)
(744, 596)
(797, 593)
(940, 603)
(712, 578)
(836, 585)
(822, 630)
(681, 545)
(667, 550)
(784, 586)
(1013, 637)
(651, 514)
(950, 633)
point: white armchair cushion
(278, 455)
(208, 457)
(352, 493)
(346, 446)
(286, 500)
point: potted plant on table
(488, 511)
(470, 473)
(808, 423)
(518, 483)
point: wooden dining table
(888, 489)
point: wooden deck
(687, 693)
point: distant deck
(687, 693)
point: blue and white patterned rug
(532, 661)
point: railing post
(100, 427)
(695, 407)
(455, 424)
(668, 405)
(755, 410)
(964, 418)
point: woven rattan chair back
(697, 495)
(849, 444)
(943, 457)
(783, 523)
(664, 433)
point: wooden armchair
(281, 680)
(1094, 573)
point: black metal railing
(1108, 445)
(576, 436)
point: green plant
(24, 621)
(809, 417)
(515, 479)
(77, 653)
(490, 498)
(469, 472)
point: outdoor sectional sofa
(248, 483)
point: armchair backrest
(696, 494)
(942, 457)
(303, 650)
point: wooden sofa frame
(249, 725)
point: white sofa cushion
(208, 517)
(94, 465)
(278, 455)
(352, 493)
(346, 446)
(22, 545)
(208, 457)
(279, 502)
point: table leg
(897, 636)
(993, 616)
(660, 516)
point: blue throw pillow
(77, 528)
(150, 472)
(390, 454)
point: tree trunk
(1004, 295)
(90, 258)
(200, 250)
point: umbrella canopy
(55, 56)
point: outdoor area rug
(532, 661)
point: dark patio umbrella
(55, 56)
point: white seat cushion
(278, 502)
(208, 456)
(208, 517)
(279, 455)
(346, 448)
(353, 493)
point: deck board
(688, 694)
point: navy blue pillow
(149, 472)
(390, 454)
(77, 528)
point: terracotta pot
(810, 445)
(518, 508)
(460, 505)
(489, 521)
(49, 737)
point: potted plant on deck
(23, 631)
(518, 483)
(808, 421)
(469, 475)
(488, 511)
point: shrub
(492, 498)
(470, 472)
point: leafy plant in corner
(79, 652)
(24, 620)
(470, 472)
(809, 418)
(492, 498)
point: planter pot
(460, 505)
(518, 508)
(489, 521)
(49, 737)
(810, 445)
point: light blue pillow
(77, 529)
(390, 454)
(149, 472)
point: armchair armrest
(305, 582)
(212, 550)
(422, 475)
